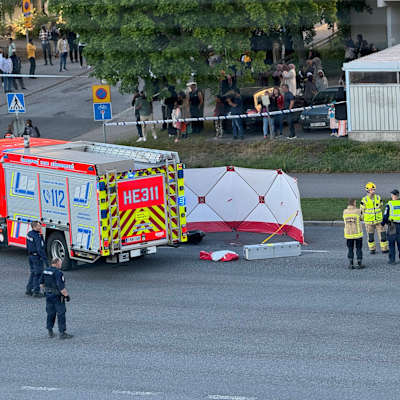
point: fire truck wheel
(57, 247)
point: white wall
(375, 107)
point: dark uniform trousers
(393, 238)
(55, 307)
(350, 248)
(36, 251)
(36, 269)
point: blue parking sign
(102, 111)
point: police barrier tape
(42, 76)
(222, 117)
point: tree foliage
(8, 7)
(127, 39)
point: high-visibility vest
(394, 208)
(371, 209)
(352, 223)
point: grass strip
(301, 155)
(325, 209)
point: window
(373, 77)
(324, 97)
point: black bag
(195, 237)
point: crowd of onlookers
(54, 44)
(287, 84)
(190, 103)
(184, 104)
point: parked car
(317, 118)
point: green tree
(127, 39)
(7, 8)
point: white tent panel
(232, 197)
(259, 180)
(236, 201)
(203, 217)
(293, 184)
(201, 180)
(258, 219)
(192, 200)
(282, 201)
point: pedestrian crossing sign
(16, 102)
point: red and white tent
(242, 199)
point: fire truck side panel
(84, 213)
(3, 202)
(53, 198)
(23, 201)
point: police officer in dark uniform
(391, 218)
(37, 255)
(53, 283)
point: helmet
(369, 186)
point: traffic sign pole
(102, 105)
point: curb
(323, 223)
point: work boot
(38, 294)
(65, 335)
(360, 265)
(28, 292)
(372, 252)
(351, 264)
(51, 333)
(391, 262)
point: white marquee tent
(248, 200)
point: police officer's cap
(395, 192)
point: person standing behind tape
(63, 49)
(37, 256)
(52, 282)
(353, 233)
(31, 54)
(7, 69)
(143, 106)
(137, 116)
(44, 37)
(371, 208)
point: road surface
(172, 327)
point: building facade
(380, 27)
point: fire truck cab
(94, 200)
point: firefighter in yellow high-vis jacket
(353, 233)
(371, 209)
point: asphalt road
(172, 327)
(62, 108)
(345, 185)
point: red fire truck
(94, 200)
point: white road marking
(315, 251)
(223, 397)
(42, 388)
(130, 393)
